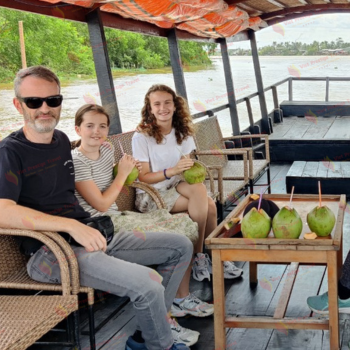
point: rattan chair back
(11, 260)
(121, 144)
(208, 136)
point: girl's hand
(182, 165)
(138, 165)
(126, 164)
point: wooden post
(290, 89)
(333, 299)
(219, 301)
(103, 69)
(275, 97)
(230, 87)
(175, 60)
(250, 112)
(258, 77)
(22, 43)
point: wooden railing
(273, 89)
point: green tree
(64, 46)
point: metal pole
(290, 89)
(230, 87)
(175, 60)
(103, 69)
(259, 83)
(22, 43)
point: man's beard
(40, 125)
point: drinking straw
(291, 196)
(319, 193)
(261, 194)
(121, 147)
(180, 151)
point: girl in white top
(97, 192)
(162, 144)
(166, 131)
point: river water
(205, 89)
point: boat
(225, 22)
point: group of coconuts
(196, 174)
(285, 222)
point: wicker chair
(13, 272)
(211, 150)
(124, 140)
(24, 319)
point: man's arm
(19, 217)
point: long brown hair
(79, 115)
(182, 120)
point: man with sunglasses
(37, 192)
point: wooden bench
(334, 177)
(315, 108)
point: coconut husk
(269, 207)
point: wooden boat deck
(240, 300)
(312, 128)
(311, 139)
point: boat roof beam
(103, 69)
(230, 87)
(175, 60)
(260, 86)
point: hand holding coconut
(182, 165)
(127, 168)
(195, 174)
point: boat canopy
(207, 18)
(193, 19)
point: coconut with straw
(256, 223)
(196, 174)
(321, 219)
(287, 223)
(134, 174)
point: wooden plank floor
(241, 300)
(312, 128)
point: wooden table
(325, 251)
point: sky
(305, 29)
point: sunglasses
(37, 102)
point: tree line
(64, 47)
(298, 48)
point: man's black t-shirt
(39, 176)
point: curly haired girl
(162, 144)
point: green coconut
(256, 224)
(287, 224)
(131, 177)
(196, 174)
(321, 220)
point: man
(37, 192)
